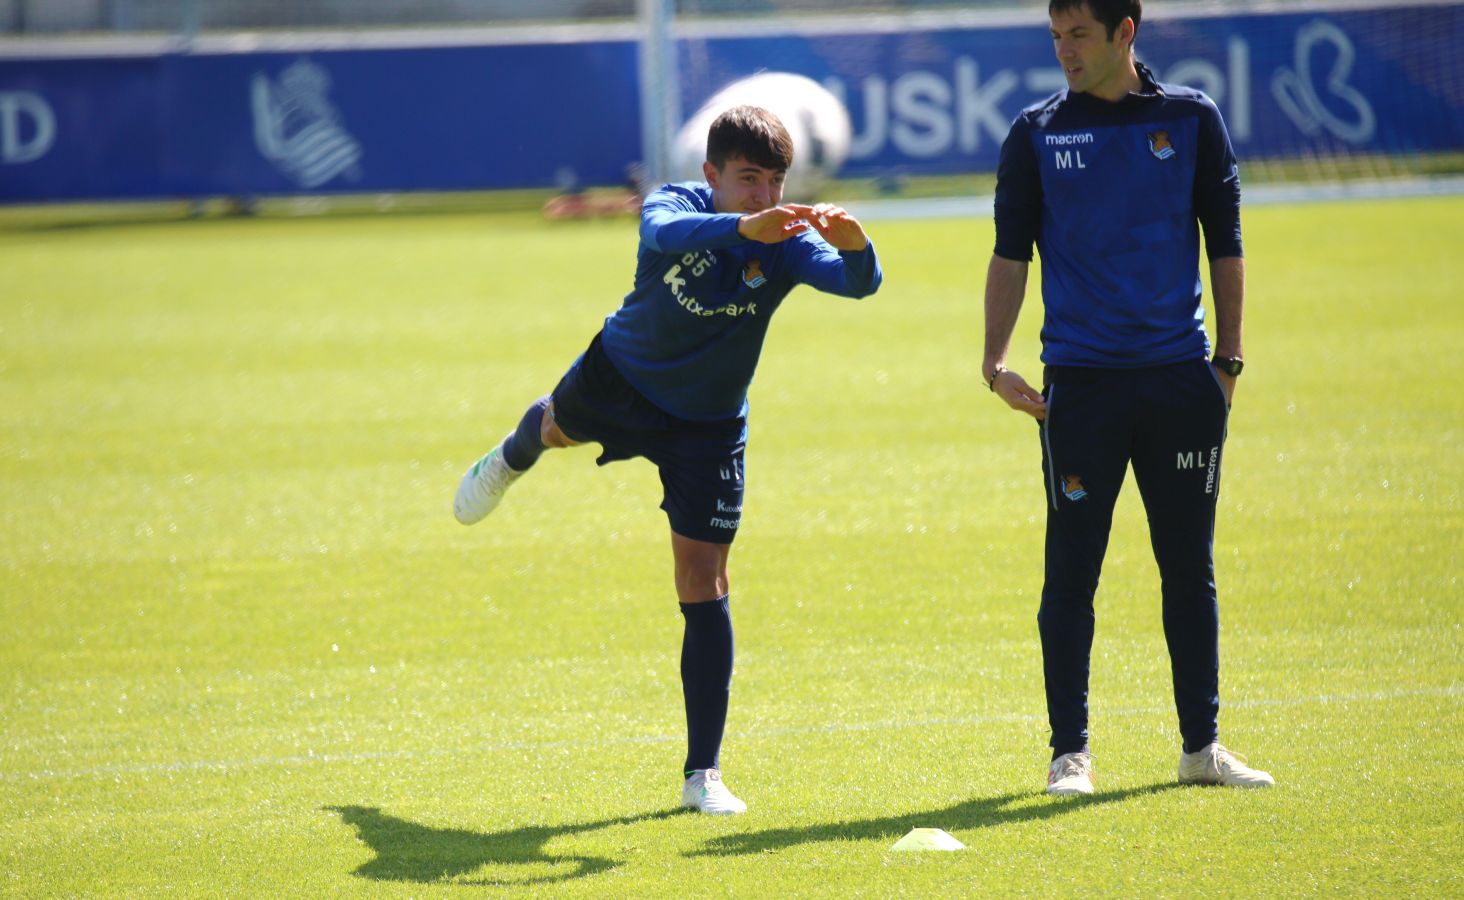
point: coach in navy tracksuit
(1113, 179)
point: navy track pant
(1168, 422)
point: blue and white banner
(924, 99)
(1382, 81)
(249, 124)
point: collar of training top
(1148, 89)
(1148, 84)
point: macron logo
(1082, 137)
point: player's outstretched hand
(772, 226)
(1020, 395)
(841, 230)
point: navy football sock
(706, 679)
(523, 448)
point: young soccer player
(667, 376)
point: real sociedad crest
(298, 129)
(752, 275)
(1160, 146)
(1072, 485)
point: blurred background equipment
(814, 117)
(152, 99)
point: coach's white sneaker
(706, 792)
(1070, 774)
(482, 487)
(1216, 765)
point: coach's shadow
(972, 814)
(407, 851)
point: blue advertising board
(1316, 83)
(357, 120)
(72, 128)
(923, 100)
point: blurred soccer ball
(814, 117)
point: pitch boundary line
(229, 765)
(980, 206)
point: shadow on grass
(407, 851)
(990, 812)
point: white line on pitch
(228, 765)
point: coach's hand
(1019, 395)
(772, 226)
(841, 230)
(1227, 384)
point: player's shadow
(407, 851)
(988, 812)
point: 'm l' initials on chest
(1068, 152)
(1069, 159)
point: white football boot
(706, 792)
(1070, 774)
(1216, 765)
(483, 485)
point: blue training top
(1112, 194)
(689, 334)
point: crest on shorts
(1072, 487)
(752, 275)
(1159, 145)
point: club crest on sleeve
(1072, 487)
(752, 275)
(1160, 146)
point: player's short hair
(752, 133)
(1110, 12)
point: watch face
(1230, 367)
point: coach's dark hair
(752, 133)
(1110, 12)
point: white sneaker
(482, 487)
(1070, 774)
(705, 791)
(1216, 765)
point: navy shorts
(701, 463)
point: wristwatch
(1230, 365)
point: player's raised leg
(488, 479)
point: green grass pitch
(246, 651)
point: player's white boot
(706, 792)
(1216, 765)
(483, 485)
(1070, 774)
